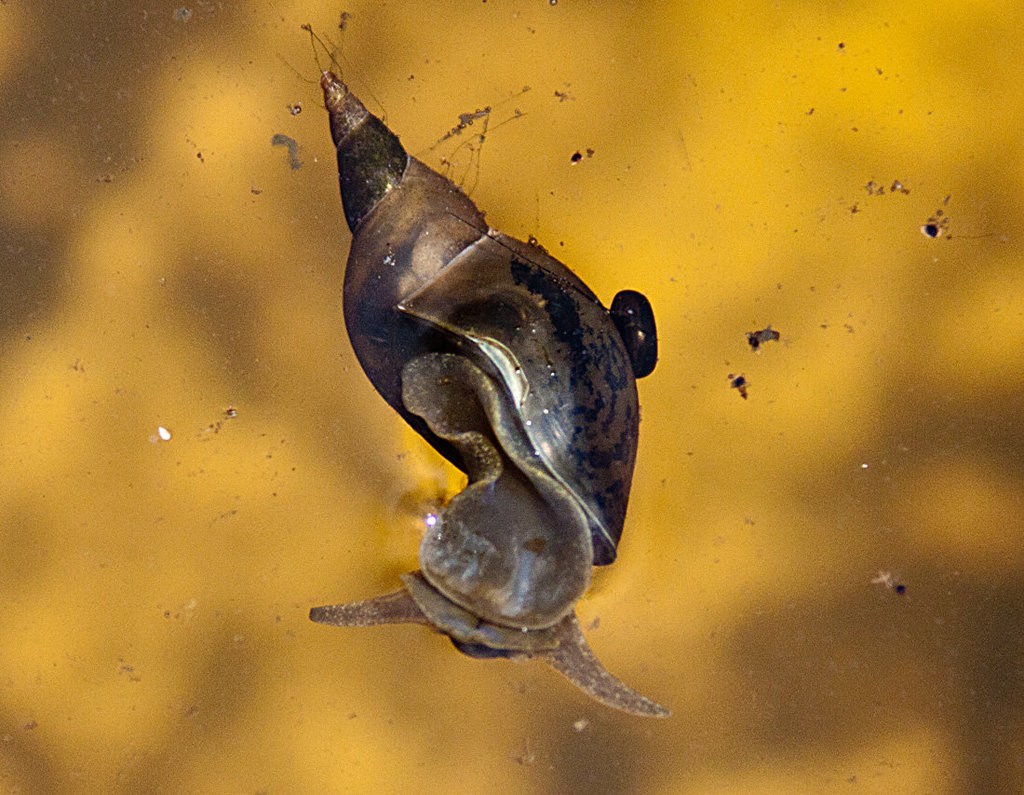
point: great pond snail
(507, 363)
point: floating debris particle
(293, 149)
(937, 223)
(878, 189)
(756, 338)
(739, 383)
(887, 579)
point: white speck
(164, 434)
(863, 466)
(431, 519)
(581, 724)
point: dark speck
(755, 338)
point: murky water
(822, 580)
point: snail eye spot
(535, 545)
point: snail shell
(507, 363)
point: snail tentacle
(574, 660)
(393, 608)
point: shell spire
(371, 159)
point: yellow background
(160, 262)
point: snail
(510, 367)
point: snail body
(510, 367)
